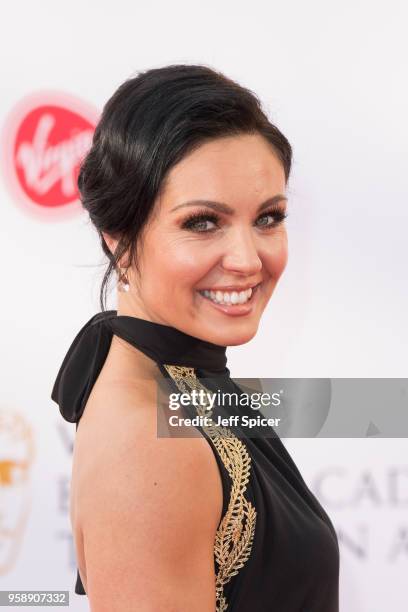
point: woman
(185, 184)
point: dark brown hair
(149, 124)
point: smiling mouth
(229, 298)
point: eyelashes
(195, 219)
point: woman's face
(217, 227)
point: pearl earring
(123, 282)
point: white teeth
(228, 297)
(242, 297)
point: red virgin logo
(45, 138)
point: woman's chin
(231, 337)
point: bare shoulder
(144, 510)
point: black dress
(275, 549)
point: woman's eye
(198, 223)
(277, 218)
(264, 219)
(201, 226)
(201, 222)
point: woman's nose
(241, 253)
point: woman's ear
(112, 243)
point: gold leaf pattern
(235, 534)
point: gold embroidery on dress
(235, 534)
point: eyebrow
(227, 210)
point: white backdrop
(332, 75)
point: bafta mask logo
(16, 457)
